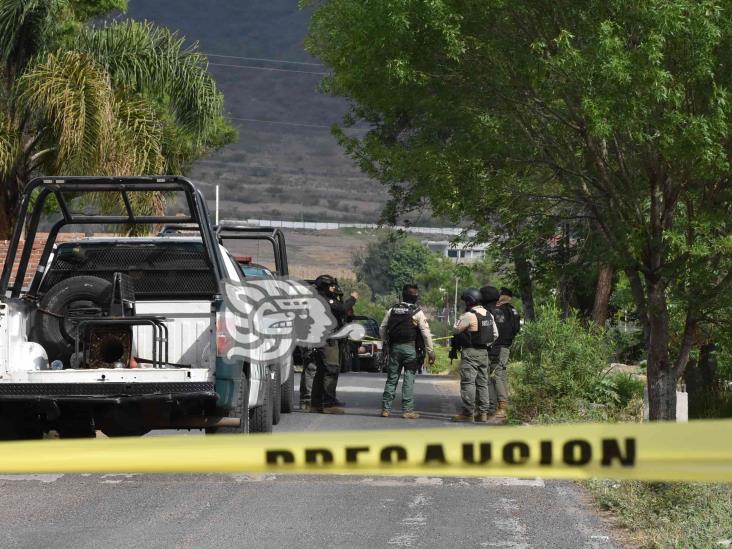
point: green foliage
(710, 404)
(627, 343)
(669, 514)
(119, 98)
(437, 280)
(366, 305)
(605, 121)
(390, 262)
(86, 10)
(563, 374)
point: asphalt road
(126, 511)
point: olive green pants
(402, 356)
(474, 381)
(498, 382)
(320, 376)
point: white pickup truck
(122, 334)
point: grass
(678, 514)
(442, 362)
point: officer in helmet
(320, 373)
(403, 325)
(508, 323)
(474, 331)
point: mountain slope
(286, 164)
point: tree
(120, 98)
(390, 262)
(613, 111)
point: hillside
(291, 168)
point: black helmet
(488, 294)
(471, 296)
(325, 281)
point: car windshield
(252, 270)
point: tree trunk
(523, 272)
(708, 367)
(7, 216)
(564, 286)
(662, 376)
(602, 294)
(639, 297)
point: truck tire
(77, 429)
(75, 296)
(124, 421)
(240, 410)
(260, 418)
(18, 430)
(288, 393)
(276, 395)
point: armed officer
(474, 331)
(508, 323)
(403, 324)
(320, 373)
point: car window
(230, 265)
(255, 270)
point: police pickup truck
(121, 334)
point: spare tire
(53, 326)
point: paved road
(265, 511)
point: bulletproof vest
(400, 327)
(484, 335)
(508, 325)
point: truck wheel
(260, 418)
(276, 396)
(124, 421)
(240, 410)
(77, 296)
(114, 430)
(77, 429)
(13, 430)
(288, 393)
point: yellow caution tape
(696, 451)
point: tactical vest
(508, 324)
(400, 328)
(484, 335)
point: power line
(297, 124)
(264, 59)
(291, 171)
(266, 69)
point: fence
(326, 226)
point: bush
(627, 388)
(628, 346)
(563, 375)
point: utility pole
(217, 204)
(454, 310)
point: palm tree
(122, 98)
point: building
(458, 252)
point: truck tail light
(225, 330)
